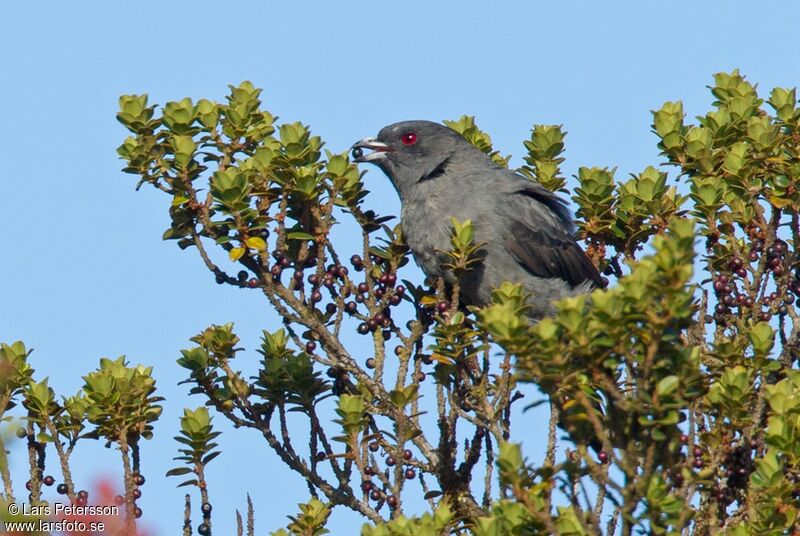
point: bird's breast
(426, 228)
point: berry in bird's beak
(379, 150)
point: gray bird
(527, 231)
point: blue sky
(84, 272)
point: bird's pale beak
(379, 150)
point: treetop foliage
(672, 394)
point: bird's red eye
(409, 138)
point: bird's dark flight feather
(548, 255)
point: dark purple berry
(137, 493)
(727, 289)
(203, 529)
(391, 500)
(443, 306)
(373, 446)
(48, 480)
(371, 363)
(206, 508)
(363, 328)
(391, 461)
(366, 486)
(407, 454)
(61, 489)
(410, 474)
(310, 346)
(375, 495)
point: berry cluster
(738, 465)
(386, 293)
(204, 528)
(82, 496)
(138, 480)
(697, 452)
(340, 382)
(369, 487)
(729, 296)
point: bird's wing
(540, 237)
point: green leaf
(178, 471)
(667, 386)
(299, 235)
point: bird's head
(411, 151)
